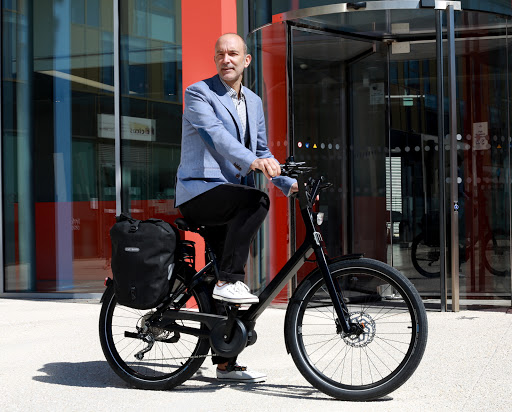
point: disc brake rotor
(366, 322)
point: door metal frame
(441, 171)
(362, 6)
(454, 195)
(2, 268)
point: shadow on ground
(95, 374)
(98, 374)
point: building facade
(375, 94)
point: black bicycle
(426, 249)
(355, 327)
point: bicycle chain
(182, 357)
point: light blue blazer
(212, 152)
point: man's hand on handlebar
(269, 166)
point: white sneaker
(234, 293)
(240, 374)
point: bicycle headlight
(319, 218)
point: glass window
(58, 156)
(78, 11)
(151, 106)
(58, 137)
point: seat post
(185, 226)
(211, 256)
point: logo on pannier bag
(170, 268)
(131, 249)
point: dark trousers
(232, 215)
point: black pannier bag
(142, 260)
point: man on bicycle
(223, 141)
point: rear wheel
(152, 358)
(372, 362)
(426, 259)
(497, 253)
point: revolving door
(376, 101)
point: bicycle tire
(385, 355)
(167, 364)
(497, 252)
(424, 256)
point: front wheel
(359, 366)
(425, 258)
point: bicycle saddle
(182, 224)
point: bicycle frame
(310, 245)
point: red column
(202, 23)
(273, 42)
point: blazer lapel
(252, 121)
(225, 99)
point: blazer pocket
(205, 173)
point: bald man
(223, 142)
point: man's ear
(248, 59)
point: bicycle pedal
(229, 304)
(232, 307)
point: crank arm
(170, 318)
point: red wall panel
(203, 22)
(273, 39)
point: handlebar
(308, 188)
(293, 169)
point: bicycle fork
(342, 313)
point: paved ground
(51, 360)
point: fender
(109, 283)
(293, 300)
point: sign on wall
(481, 136)
(133, 128)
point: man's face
(230, 58)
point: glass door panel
(338, 119)
(367, 142)
(483, 154)
(413, 165)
